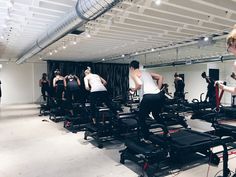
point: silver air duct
(84, 11)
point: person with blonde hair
(231, 47)
(98, 92)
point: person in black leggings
(179, 87)
(98, 92)
(59, 85)
(45, 87)
(211, 94)
(72, 88)
(149, 91)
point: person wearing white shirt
(152, 98)
(98, 92)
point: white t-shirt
(148, 84)
(95, 83)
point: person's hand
(220, 84)
(131, 91)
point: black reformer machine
(222, 129)
(167, 147)
(79, 119)
(109, 127)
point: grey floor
(30, 147)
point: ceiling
(132, 27)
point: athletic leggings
(150, 103)
(96, 97)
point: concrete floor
(30, 147)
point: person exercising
(98, 92)
(59, 85)
(72, 87)
(152, 98)
(211, 94)
(231, 47)
(179, 87)
(45, 87)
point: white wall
(194, 84)
(20, 82)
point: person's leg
(144, 111)
(93, 100)
(157, 102)
(43, 91)
(107, 100)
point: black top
(179, 86)
(72, 84)
(45, 84)
(60, 83)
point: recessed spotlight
(64, 47)
(103, 59)
(152, 50)
(0, 66)
(50, 53)
(158, 2)
(55, 51)
(40, 58)
(123, 55)
(136, 53)
(2, 37)
(88, 35)
(206, 39)
(74, 42)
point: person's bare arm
(54, 82)
(227, 88)
(104, 82)
(78, 81)
(64, 80)
(137, 81)
(86, 83)
(158, 78)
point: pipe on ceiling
(84, 11)
(193, 61)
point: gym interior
(118, 88)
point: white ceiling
(133, 25)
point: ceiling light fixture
(74, 42)
(206, 39)
(123, 55)
(55, 51)
(152, 50)
(103, 59)
(64, 47)
(50, 53)
(88, 35)
(2, 37)
(158, 2)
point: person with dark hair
(59, 85)
(45, 87)
(152, 98)
(179, 87)
(72, 87)
(98, 92)
(211, 94)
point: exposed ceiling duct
(84, 11)
(193, 61)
